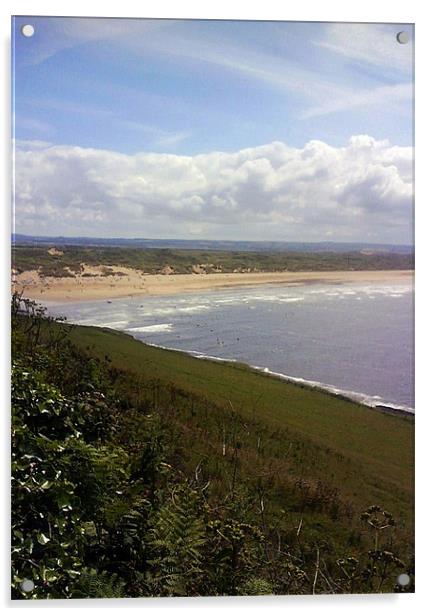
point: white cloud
(389, 96)
(362, 191)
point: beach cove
(352, 338)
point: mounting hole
(27, 585)
(403, 579)
(402, 37)
(27, 30)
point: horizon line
(183, 239)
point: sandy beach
(131, 282)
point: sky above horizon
(213, 129)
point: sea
(355, 339)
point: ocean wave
(114, 324)
(235, 300)
(157, 312)
(276, 298)
(196, 354)
(173, 310)
(198, 308)
(286, 300)
(160, 327)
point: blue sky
(183, 90)
(197, 86)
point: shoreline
(132, 283)
(391, 408)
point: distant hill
(223, 245)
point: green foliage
(47, 535)
(256, 586)
(238, 553)
(176, 540)
(59, 481)
(153, 260)
(92, 584)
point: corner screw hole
(27, 30)
(402, 37)
(403, 579)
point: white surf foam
(160, 327)
(173, 310)
(287, 300)
(237, 300)
(114, 324)
(365, 399)
(198, 308)
(360, 398)
(277, 298)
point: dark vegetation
(143, 472)
(154, 260)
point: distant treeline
(224, 245)
(59, 260)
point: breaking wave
(160, 327)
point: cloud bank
(361, 192)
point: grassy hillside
(366, 453)
(69, 259)
(139, 471)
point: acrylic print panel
(223, 212)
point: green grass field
(365, 454)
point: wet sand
(132, 282)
